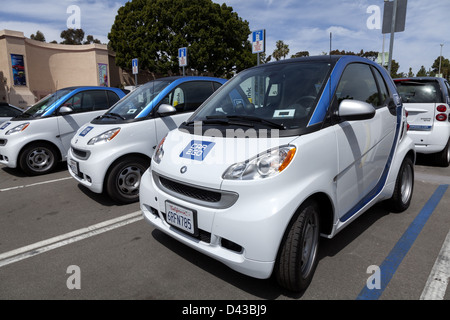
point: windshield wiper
(250, 119)
(116, 115)
(110, 115)
(23, 115)
(218, 120)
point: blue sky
(304, 25)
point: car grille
(206, 197)
(80, 154)
(192, 192)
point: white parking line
(440, 274)
(34, 184)
(65, 239)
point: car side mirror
(355, 110)
(65, 110)
(166, 110)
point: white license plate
(73, 165)
(181, 218)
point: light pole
(440, 60)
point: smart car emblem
(197, 150)
(183, 169)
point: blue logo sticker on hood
(5, 125)
(197, 150)
(86, 131)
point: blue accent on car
(86, 131)
(146, 111)
(76, 90)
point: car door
(364, 145)
(186, 98)
(86, 105)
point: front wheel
(297, 259)
(38, 158)
(404, 187)
(123, 181)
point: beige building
(29, 69)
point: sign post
(134, 64)
(394, 18)
(182, 58)
(259, 42)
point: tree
(39, 36)
(410, 72)
(76, 36)
(154, 30)
(281, 50)
(422, 72)
(445, 66)
(72, 36)
(90, 39)
(264, 58)
(300, 54)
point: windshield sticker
(86, 131)
(197, 150)
(5, 125)
(288, 113)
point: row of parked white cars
(274, 158)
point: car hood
(202, 160)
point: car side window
(189, 96)
(448, 92)
(6, 111)
(88, 101)
(357, 83)
(384, 93)
(112, 98)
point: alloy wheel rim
(40, 159)
(129, 180)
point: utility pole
(440, 61)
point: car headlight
(159, 152)
(263, 166)
(105, 136)
(17, 129)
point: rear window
(419, 91)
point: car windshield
(40, 107)
(275, 95)
(414, 91)
(132, 105)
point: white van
(112, 151)
(40, 137)
(281, 154)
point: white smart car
(282, 153)
(112, 151)
(38, 138)
(427, 101)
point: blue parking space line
(401, 248)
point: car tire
(38, 159)
(124, 178)
(443, 158)
(404, 187)
(297, 257)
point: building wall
(49, 67)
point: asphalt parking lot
(58, 240)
